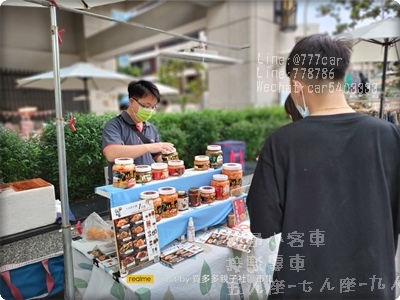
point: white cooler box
(27, 205)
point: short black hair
(142, 88)
(319, 57)
(291, 109)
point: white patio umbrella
(384, 34)
(166, 89)
(79, 76)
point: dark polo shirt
(117, 132)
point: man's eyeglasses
(144, 106)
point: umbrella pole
(85, 86)
(69, 287)
(382, 105)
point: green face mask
(144, 114)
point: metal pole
(86, 105)
(382, 106)
(69, 288)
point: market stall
(151, 259)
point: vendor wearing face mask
(130, 134)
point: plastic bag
(95, 228)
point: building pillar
(260, 79)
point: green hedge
(190, 132)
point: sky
(327, 24)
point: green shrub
(18, 157)
(190, 132)
(84, 159)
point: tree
(133, 71)
(359, 10)
(191, 91)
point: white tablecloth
(215, 273)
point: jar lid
(181, 193)
(123, 161)
(201, 158)
(170, 152)
(207, 189)
(214, 147)
(193, 189)
(166, 190)
(143, 168)
(159, 166)
(175, 162)
(232, 166)
(149, 195)
(220, 177)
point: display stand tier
(172, 228)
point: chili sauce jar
(207, 194)
(124, 173)
(173, 155)
(169, 198)
(194, 199)
(143, 174)
(159, 171)
(222, 185)
(157, 202)
(176, 167)
(235, 175)
(183, 201)
(201, 162)
(214, 152)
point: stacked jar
(207, 194)
(235, 175)
(124, 173)
(157, 202)
(173, 155)
(214, 152)
(176, 167)
(143, 174)
(169, 198)
(222, 186)
(159, 171)
(201, 162)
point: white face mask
(305, 112)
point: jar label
(176, 171)
(216, 160)
(221, 192)
(124, 179)
(168, 157)
(201, 167)
(145, 177)
(158, 209)
(170, 208)
(159, 174)
(235, 182)
(183, 203)
(207, 198)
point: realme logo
(140, 279)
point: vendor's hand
(161, 147)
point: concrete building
(25, 41)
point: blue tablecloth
(172, 228)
